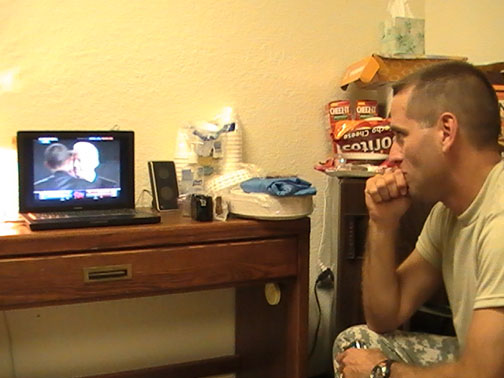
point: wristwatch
(382, 369)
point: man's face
(85, 160)
(416, 151)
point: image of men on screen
(60, 161)
(86, 159)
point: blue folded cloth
(279, 186)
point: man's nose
(395, 154)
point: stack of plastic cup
(184, 154)
(232, 150)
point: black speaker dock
(163, 179)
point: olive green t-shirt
(469, 250)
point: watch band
(382, 369)
(388, 364)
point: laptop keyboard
(83, 214)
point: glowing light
(8, 80)
(8, 189)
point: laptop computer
(73, 179)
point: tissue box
(404, 35)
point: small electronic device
(163, 179)
(201, 208)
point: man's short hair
(459, 88)
(56, 154)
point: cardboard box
(376, 70)
(499, 89)
(495, 74)
(500, 96)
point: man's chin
(419, 195)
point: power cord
(325, 280)
(141, 196)
(9, 342)
(324, 226)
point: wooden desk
(178, 255)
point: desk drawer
(48, 280)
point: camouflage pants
(420, 349)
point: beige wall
(151, 66)
(465, 28)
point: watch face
(379, 371)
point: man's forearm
(380, 287)
(446, 370)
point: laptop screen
(72, 170)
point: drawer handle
(107, 273)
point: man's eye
(398, 135)
(399, 138)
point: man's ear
(448, 128)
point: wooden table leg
(271, 340)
